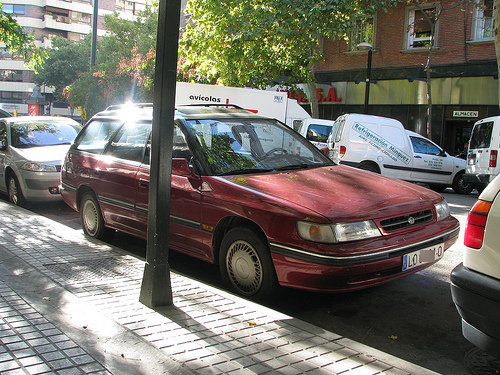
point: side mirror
(325, 151)
(180, 167)
(3, 145)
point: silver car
(31, 151)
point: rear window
(481, 135)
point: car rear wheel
(14, 191)
(92, 219)
(460, 186)
(246, 265)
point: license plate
(423, 256)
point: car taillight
(493, 158)
(476, 223)
(343, 149)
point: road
(413, 318)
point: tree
(17, 41)
(66, 62)
(261, 42)
(123, 70)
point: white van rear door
(430, 162)
(478, 158)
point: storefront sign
(473, 114)
(330, 97)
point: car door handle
(143, 182)
(418, 157)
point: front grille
(407, 221)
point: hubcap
(90, 218)
(13, 191)
(244, 268)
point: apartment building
(464, 73)
(71, 19)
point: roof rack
(115, 107)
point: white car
(31, 152)
(475, 283)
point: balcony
(65, 24)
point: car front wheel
(246, 264)
(14, 191)
(92, 219)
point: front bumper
(477, 299)
(327, 273)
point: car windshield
(27, 134)
(236, 146)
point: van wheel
(369, 167)
(92, 219)
(246, 265)
(460, 186)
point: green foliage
(257, 41)
(124, 67)
(20, 43)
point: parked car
(4, 113)
(316, 131)
(252, 195)
(475, 283)
(482, 155)
(382, 145)
(31, 152)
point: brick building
(464, 74)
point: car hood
(341, 192)
(46, 154)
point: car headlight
(38, 167)
(442, 210)
(339, 232)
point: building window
(11, 75)
(420, 28)
(10, 96)
(15, 10)
(126, 6)
(362, 32)
(483, 20)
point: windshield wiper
(246, 171)
(295, 166)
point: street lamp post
(369, 48)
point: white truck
(382, 145)
(274, 104)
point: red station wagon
(250, 194)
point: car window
(481, 135)
(3, 135)
(423, 146)
(96, 135)
(318, 133)
(130, 142)
(247, 146)
(32, 133)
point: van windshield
(481, 135)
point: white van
(316, 131)
(482, 165)
(382, 145)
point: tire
(14, 191)
(369, 167)
(246, 265)
(438, 188)
(460, 186)
(92, 219)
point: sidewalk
(70, 305)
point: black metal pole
(93, 46)
(156, 289)
(368, 80)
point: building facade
(464, 73)
(70, 19)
